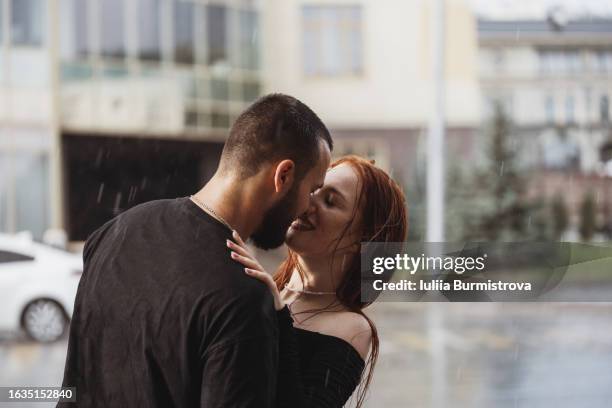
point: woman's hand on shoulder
(241, 253)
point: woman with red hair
(326, 340)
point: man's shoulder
(152, 206)
(149, 213)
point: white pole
(435, 139)
(435, 200)
(55, 159)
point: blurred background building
(365, 67)
(26, 116)
(108, 103)
(553, 79)
(105, 104)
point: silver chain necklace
(307, 292)
(211, 212)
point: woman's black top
(315, 370)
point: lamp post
(435, 199)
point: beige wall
(395, 89)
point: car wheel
(44, 320)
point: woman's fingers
(238, 238)
(258, 274)
(262, 276)
(246, 261)
(237, 248)
(267, 279)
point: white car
(38, 284)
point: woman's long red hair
(383, 212)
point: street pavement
(441, 355)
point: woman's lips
(302, 225)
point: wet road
(493, 355)
(442, 355)
(25, 363)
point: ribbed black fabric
(315, 370)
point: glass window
(608, 61)
(149, 30)
(81, 32)
(559, 62)
(544, 58)
(191, 117)
(113, 29)
(550, 109)
(188, 84)
(601, 61)
(499, 59)
(251, 91)
(31, 193)
(220, 119)
(202, 88)
(4, 191)
(569, 109)
(115, 71)
(27, 22)
(220, 89)
(8, 256)
(587, 102)
(204, 120)
(332, 41)
(574, 62)
(183, 32)
(249, 42)
(604, 108)
(216, 27)
(76, 71)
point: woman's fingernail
(233, 254)
(247, 270)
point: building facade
(108, 103)
(365, 67)
(26, 116)
(553, 79)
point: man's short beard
(273, 228)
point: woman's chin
(295, 240)
(302, 243)
(291, 236)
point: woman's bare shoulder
(351, 327)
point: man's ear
(284, 176)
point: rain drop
(100, 192)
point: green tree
(500, 212)
(588, 212)
(539, 225)
(560, 216)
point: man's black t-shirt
(163, 316)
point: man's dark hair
(274, 127)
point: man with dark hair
(163, 316)
(275, 127)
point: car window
(7, 256)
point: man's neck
(233, 201)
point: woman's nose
(312, 204)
